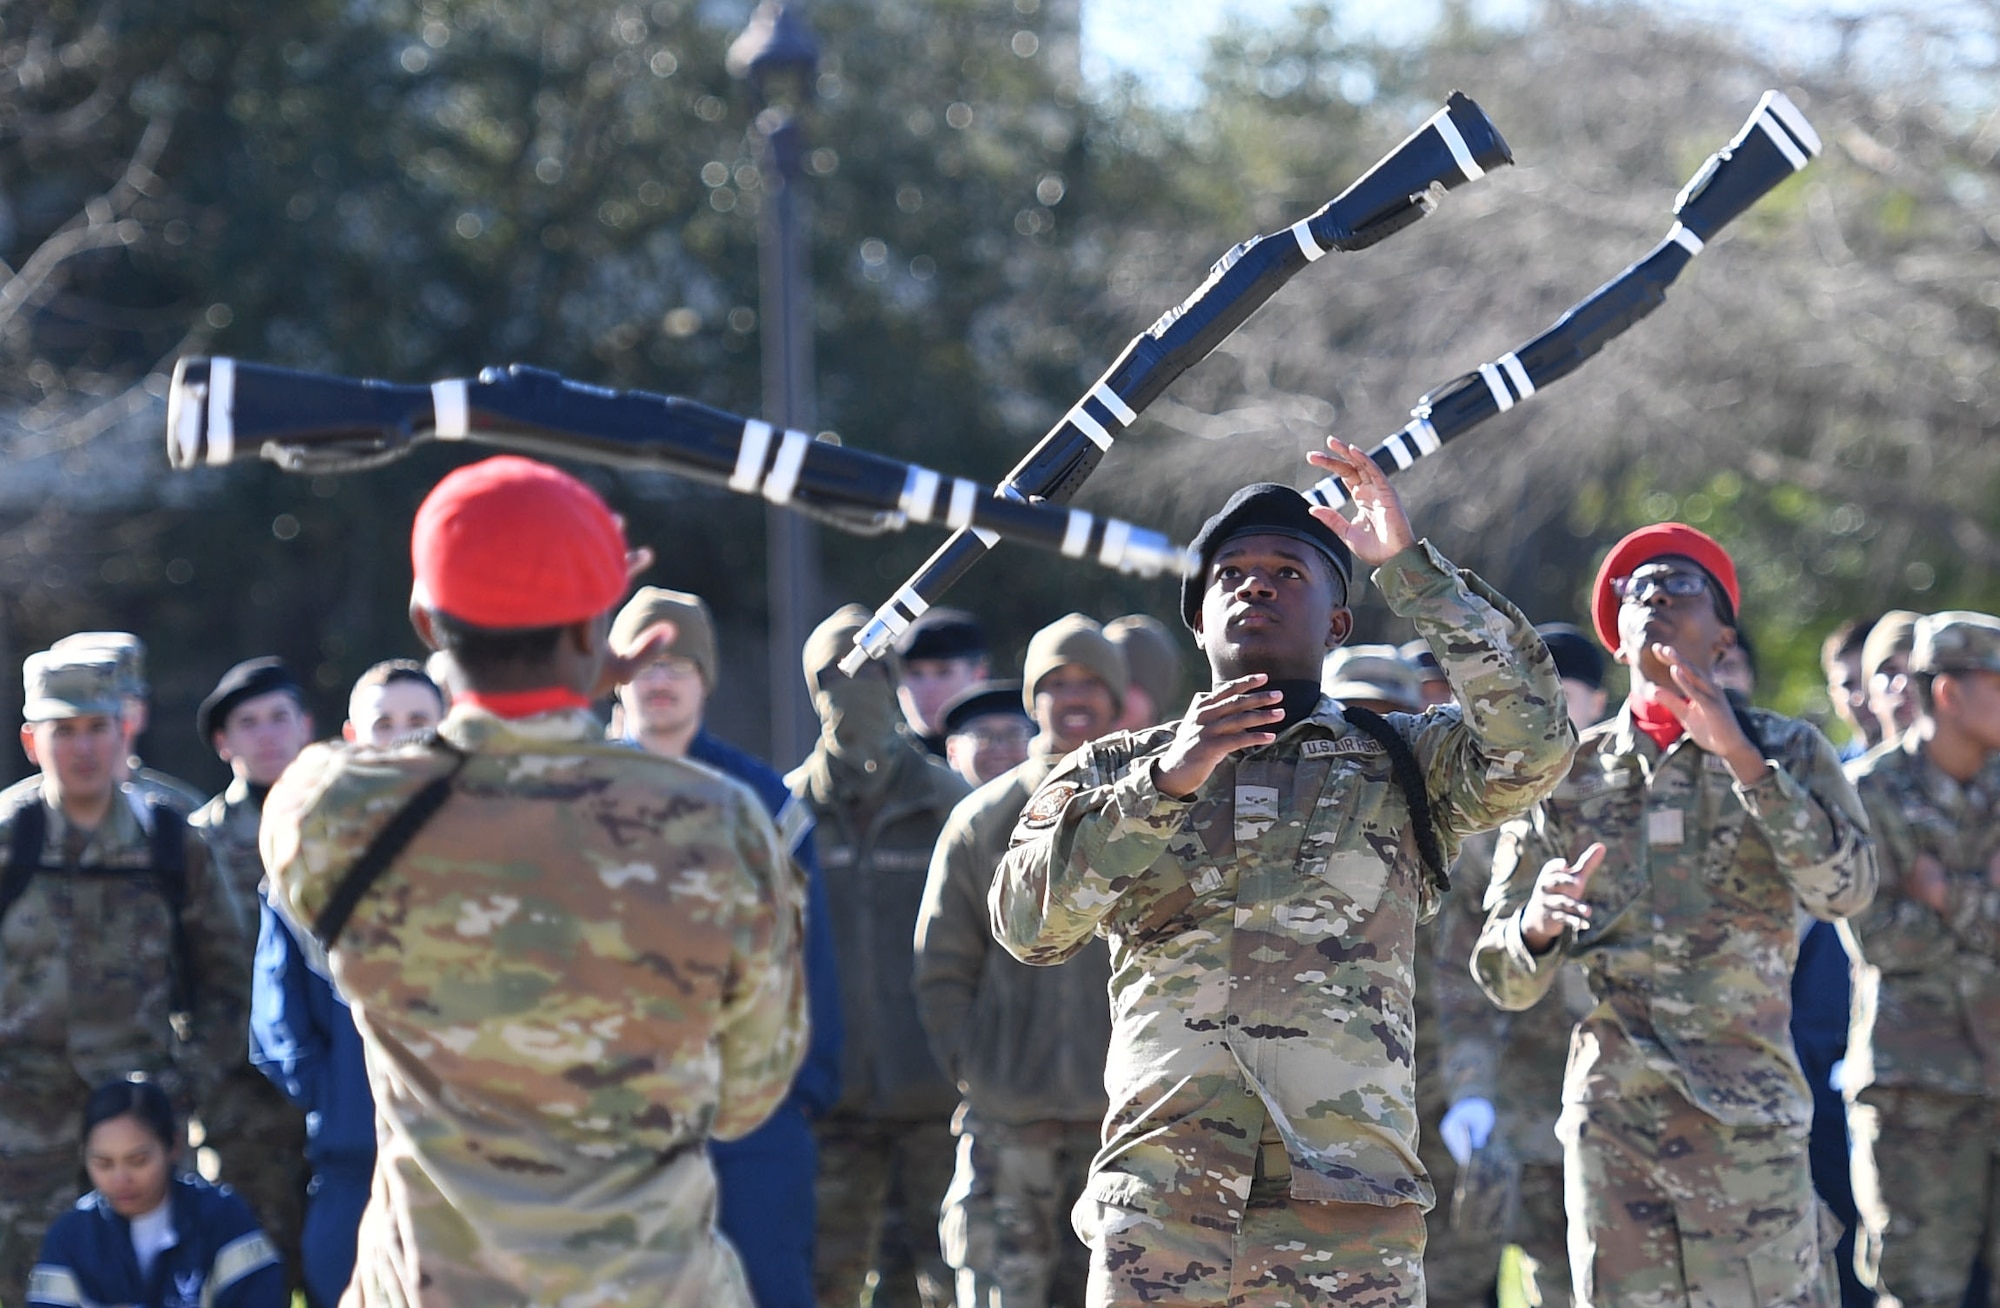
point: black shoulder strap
(1410, 780)
(24, 856)
(389, 842)
(169, 850)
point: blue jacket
(817, 1087)
(303, 1038)
(221, 1261)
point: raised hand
(1379, 530)
(1704, 712)
(1236, 715)
(1556, 904)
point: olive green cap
(1072, 638)
(1956, 640)
(694, 628)
(70, 684)
(1373, 672)
(127, 648)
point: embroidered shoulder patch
(1046, 808)
(1347, 745)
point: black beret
(1577, 656)
(982, 700)
(1265, 509)
(247, 680)
(942, 634)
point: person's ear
(1339, 627)
(1725, 642)
(28, 744)
(347, 732)
(420, 621)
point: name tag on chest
(1665, 827)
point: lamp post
(778, 59)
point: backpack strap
(169, 850)
(24, 856)
(387, 845)
(1410, 780)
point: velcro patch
(1046, 808)
(1346, 745)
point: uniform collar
(119, 829)
(475, 729)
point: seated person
(149, 1236)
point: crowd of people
(1319, 982)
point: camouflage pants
(881, 1186)
(1005, 1226)
(35, 1189)
(1925, 1182)
(1148, 1247)
(1668, 1207)
(259, 1136)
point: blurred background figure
(1157, 690)
(942, 653)
(767, 1178)
(878, 801)
(1372, 677)
(150, 1232)
(1431, 683)
(256, 721)
(986, 731)
(121, 947)
(1581, 664)
(393, 699)
(1885, 661)
(1840, 660)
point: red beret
(1645, 545)
(510, 543)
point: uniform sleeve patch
(1046, 808)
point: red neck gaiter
(523, 703)
(1654, 718)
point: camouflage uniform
(886, 1148)
(1924, 1053)
(1026, 1047)
(1513, 1189)
(1685, 1118)
(86, 968)
(585, 964)
(1261, 1142)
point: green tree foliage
(417, 188)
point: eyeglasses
(1643, 584)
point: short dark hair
(479, 651)
(390, 671)
(137, 1098)
(1845, 641)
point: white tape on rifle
(1114, 404)
(1510, 363)
(750, 457)
(1116, 534)
(1076, 536)
(784, 478)
(451, 410)
(1461, 154)
(221, 411)
(1302, 233)
(964, 494)
(1686, 239)
(920, 488)
(1502, 397)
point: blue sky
(1162, 41)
